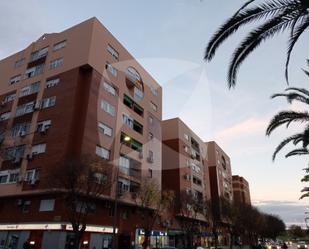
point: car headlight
(298, 246)
(305, 246)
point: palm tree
(278, 16)
(288, 117)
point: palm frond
(292, 97)
(295, 35)
(242, 17)
(252, 41)
(304, 195)
(297, 152)
(284, 143)
(300, 90)
(286, 117)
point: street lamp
(125, 140)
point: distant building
(220, 174)
(184, 169)
(241, 190)
(67, 94)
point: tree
(272, 227)
(152, 204)
(81, 182)
(296, 231)
(288, 117)
(278, 16)
(192, 211)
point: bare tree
(81, 183)
(191, 215)
(152, 204)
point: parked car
(301, 245)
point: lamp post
(125, 139)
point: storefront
(52, 236)
(158, 239)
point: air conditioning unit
(20, 179)
(22, 134)
(43, 131)
(187, 177)
(29, 157)
(17, 160)
(32, 181)
(19, 202)
(140, 155)
(37, 105)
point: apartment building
(220, 176)
(68, 94)
(185, 170)
(241, 190)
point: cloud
(291, 212)
(244, 128)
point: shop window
(47, 205)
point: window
(109, 88)
(187, 149)
(113, 52)
(27, 90)
(38, 149)
(47, 205)
(102, 152)
(13, 177)
(38, 54)
(111, 69)
(150, 119)
(43, 125)
(48, 102)
(150, 156)
(106, 130)
(52, 82)
(15, 79)
(3, 179)
(125, 214)
(20, 129)
(34, 71)
(186, 137)
(9, 98)
(196, 168)
(100, 178)
(15, 152)
(124, 164)
(32, 176)
(150, 136)
(134, 144)
(107, 107)
(5, 116)
(133, 105)
(123, 185)
(59, 45)
(153, 91)
(55, 63)
(19, 62)
(138, 94)
(26, 206)
(127, 120)
(26, 108)
(197, 181)
(150, 173)
(153, 106)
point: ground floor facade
(60, 236)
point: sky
(168, 37)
